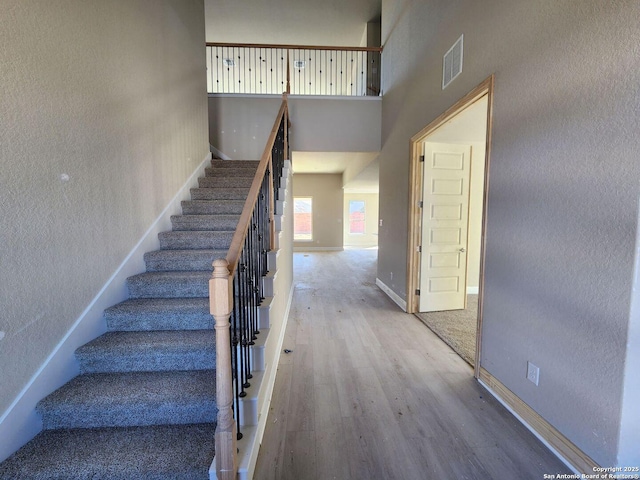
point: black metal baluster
(234, 326)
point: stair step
(234, 193)
(223, 182)
(216, 207)
(204, 222)
(185, 240)
(234, 163)
(131, 399)
(159, 314)
(230, 172)
(164, 452)
(177, 260)
(148, 351)
(169, 285)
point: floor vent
(452, 63)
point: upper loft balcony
(261, 69)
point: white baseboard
(218, 153)
(574, 458)
(247, 462)
(20, 422)
(392, 295)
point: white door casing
(445, 218)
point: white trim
(20, 423)
(392, 295)
(218, 153)
(473, 290)
(302, 248)
(529, 427)
(247, 462)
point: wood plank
(385, 398)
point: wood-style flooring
(369, 392)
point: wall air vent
(452, 63)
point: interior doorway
(449, 182)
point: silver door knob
(462, 250)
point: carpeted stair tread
(169, 285)
(204, 222)
(231, 172)
(235, 193)
(212, 207)
(148, 351)
(163, 452)
(185, 240)
(144, 404)
(224, 181)
(234, 163)
(143, 314)
(174, 260)
(131, 399)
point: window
(356, 216)
(302, 218)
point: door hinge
(422, 158)
(419, 249)
(420, 204)
(417, 291)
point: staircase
(143, 405)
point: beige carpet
(457, 328)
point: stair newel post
(221, 306)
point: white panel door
(445, 218)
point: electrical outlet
(391, 275)
(533, 373)
(380, 223)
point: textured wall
(301, 22)
(240, 126)
(563, 193)
(104, 117)
(326, 191)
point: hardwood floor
(369, 392)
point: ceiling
(359, 170)
(301, 22)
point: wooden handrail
(295, 47)
(245, 217)
(221, 298)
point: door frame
(415, 196)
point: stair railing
(245, 68)
(236, 291)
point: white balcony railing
(295, 69)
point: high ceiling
(302, 22)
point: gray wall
(113, 95)
(563, 200)
(327, 201)
(239, 126)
